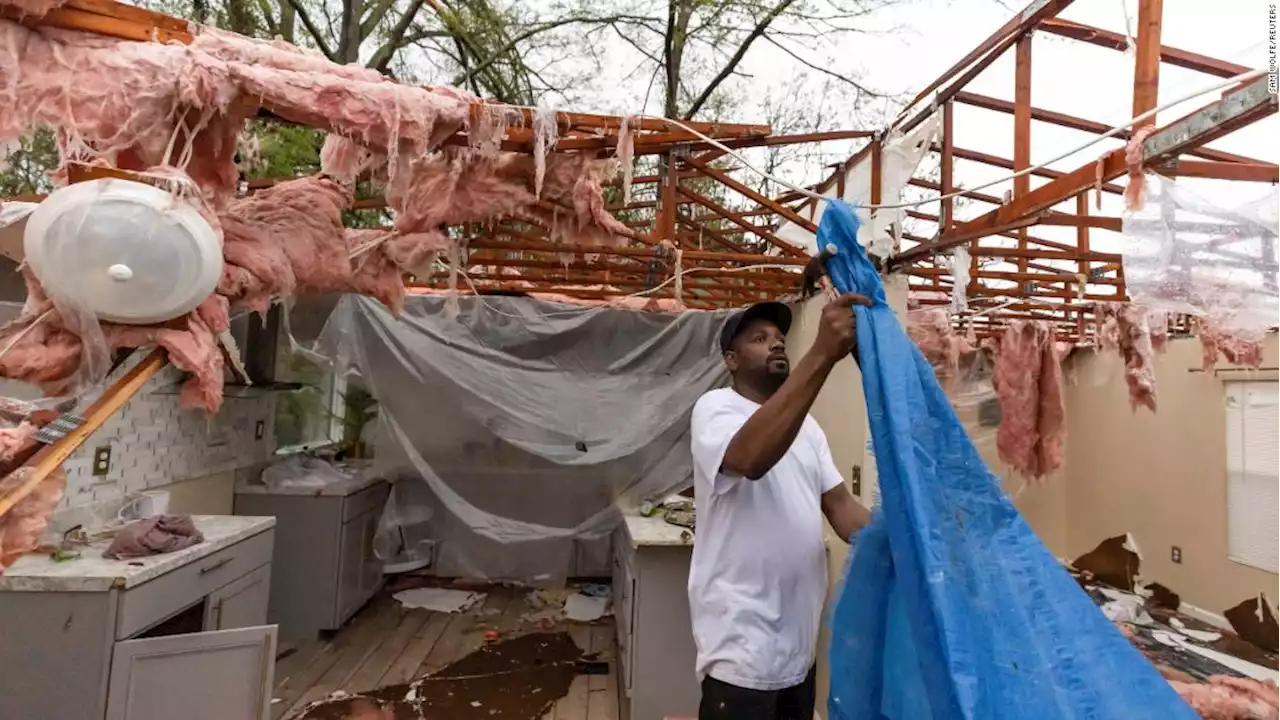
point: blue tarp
(951, 607)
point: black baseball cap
(774, 312)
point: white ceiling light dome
(129, 252)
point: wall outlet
(855, 483)
(1175, 554)
(102, 460)
(259, 429)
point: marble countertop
(654, 531)
(335, 489)
(93, 573)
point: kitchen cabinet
(656, 651)
(178, 635)
(323, 568)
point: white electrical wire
(1238, 79)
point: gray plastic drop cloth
(531, 423)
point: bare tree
(696, 47)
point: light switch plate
(259, 430)
(102, 460)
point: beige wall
(840, 411)
(1162, 476)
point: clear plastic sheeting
(303, 471)
(900, 155)
(960, 262)
(532, 423)
(1182, 254)
(951, 608)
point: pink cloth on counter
(155, 535)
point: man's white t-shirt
(759, 573)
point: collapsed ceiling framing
(695, 218)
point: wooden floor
(385, 644)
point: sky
(919, 40)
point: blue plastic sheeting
(951, 607)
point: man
(762, 474)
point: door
(371, 566)
(351, 552)
(241, 603)
(220, 675)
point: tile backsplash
(153, 442)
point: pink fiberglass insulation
(290, 238)
(1028, 383)
(22, 526)
(122, 101)
(1124, 327)
(16, 438)
(141, 104)
(932, 333)
(34, 8)
(1231, 347)
(286, 239)
(1159, 324)
(460, 185)
(1231, 698)
(48, 353)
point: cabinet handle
(215, 566)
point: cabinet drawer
(371, 498)
(153, 601)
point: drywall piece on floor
(585, 608)
(1201, 635)
(1244, 667)
(439, 599)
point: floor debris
(579, 607)
(1114, 562)
(1255, 621)
(517, 679)
(439, 599)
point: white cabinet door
(220, 675)
(351, 569)
(239, 604)
(371, 566)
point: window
(310, 417)
(1253, 472)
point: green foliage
(285, 151)
(29, 165)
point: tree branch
(825, 71)
(395, 39)
(531, 32)
(312, 30)
(761, 27)
(378, 12)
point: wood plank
(602, 702)
(461, 636)
(405, 667)
(573, 706)
(361, 642)
(294, 686)
(1146, 61)
(371, 672)
(602, 648)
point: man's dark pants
(722, 701)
